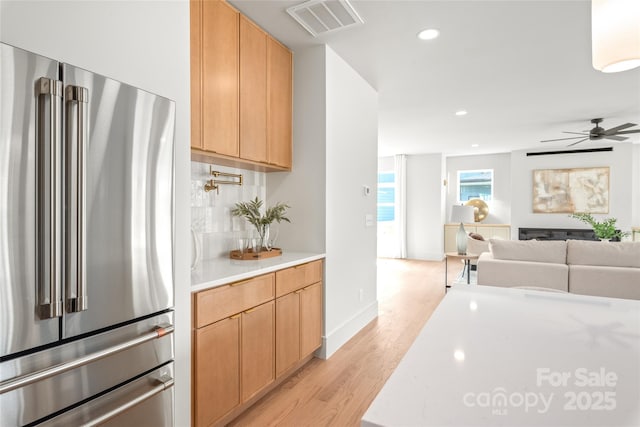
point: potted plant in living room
(604, 230)
(262, 222)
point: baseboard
(335, 339)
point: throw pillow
(476, 236)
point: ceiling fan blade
(578, 133)
(616, 129)
(578, 142)
(563, 139)
(616, 138)
(627, 131)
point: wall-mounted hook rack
(214, 184)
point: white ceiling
(522, 70)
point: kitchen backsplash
(211, 219)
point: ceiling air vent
(321, 17)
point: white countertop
(512, 357)
(220, 271)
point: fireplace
(556, 234)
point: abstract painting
(571, 190)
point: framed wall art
(571, 190)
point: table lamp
(462, 214)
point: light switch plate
(368, 220)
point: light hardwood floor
(338, 391)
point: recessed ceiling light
(461, 113)
(458, 355)
(429, 34)
(475, 145)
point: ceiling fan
(598, 133)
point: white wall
(352, 162)
(143, 43)
(500, 206)
(335, 154)
(425, 203)
(622, 193)
(304, 187)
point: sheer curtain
(400, 166)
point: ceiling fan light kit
(615, 32)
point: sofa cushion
(613, 254)
(529, 250)
(505, 273)
(613, 282)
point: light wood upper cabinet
(280, 101)
(220, 78)
(253, 92)
(196, 73)
(241, 89)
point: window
(475, 184)
(386, 196)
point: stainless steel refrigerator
(86, 247)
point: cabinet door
(489, 231)
(220, 51)
(279, 79)
(287, 332)
(257, 349)
(253, 92)
(195, 10)
(310, 319)
(217, 370)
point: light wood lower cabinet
(217, 364)
(298, 326)
(246, 341)
(287, 332)
(310, 319)
(257, 349)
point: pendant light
(615, 34)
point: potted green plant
(604, 230)
(251, 211)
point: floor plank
(338, 391)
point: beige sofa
(577, 266)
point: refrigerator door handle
(49, 198)
(77, 99)
(163, 383)
(19, 382)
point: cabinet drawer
(294, 278)
(313, 273)
(225, 301)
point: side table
(467, 266)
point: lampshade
(462, 214)
(615, 35)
